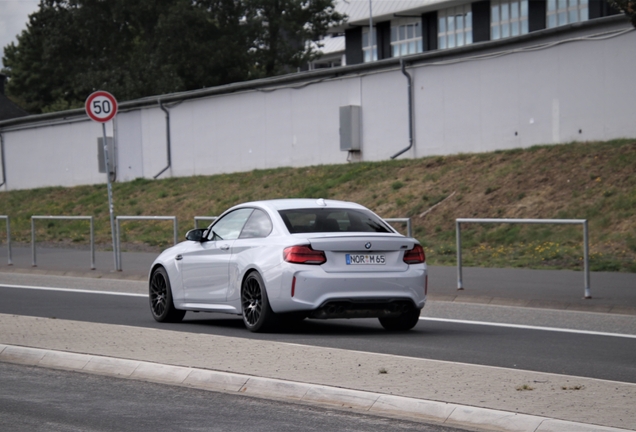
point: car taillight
(304, 255)
(415, 255)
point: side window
(229, 226)
(259, 225)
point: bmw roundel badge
(368, 245)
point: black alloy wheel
(160, 295)
(257, 314)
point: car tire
(160, 295)
(257, 313)
(403, 322)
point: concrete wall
(580, 90)
(60, 155)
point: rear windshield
(322, 220)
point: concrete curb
(374, 403)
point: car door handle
(179, 257)
(225, 247)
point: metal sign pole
(110, 196)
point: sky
(14, 15)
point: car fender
(253, 257)
(167, 260)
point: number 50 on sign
(101, 106)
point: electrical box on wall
(101, 162)
(350, 128)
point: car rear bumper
(330, 295)
(363, 308)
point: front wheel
(257, 314)
(402, 322)
(160, 295)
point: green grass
(594, 181)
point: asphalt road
(587, 355)
(541, 287)
(36, 399)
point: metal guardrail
(199, 218)
(88, 218)
(118, 220)
(586, 248)
(409, 230)
(8, 238)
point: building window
(562, 12)
(324, 64)
(406, 38)
(508, 18)
(455, 27)
(369, 53)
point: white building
(469, 77)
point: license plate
(365, 259)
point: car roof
(296, 203)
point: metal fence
(586, 248)
(407, 221)
(118, 220)
(8, 238)
(88, 218)
(200, 218)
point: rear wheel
(257, 314)
(402, 322)
(160, 294)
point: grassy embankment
(594, 181)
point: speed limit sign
(101, 106)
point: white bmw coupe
(293, 258)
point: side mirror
(196, 235)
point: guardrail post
(92, 244)
(9, 241)
(117, 245)
(586, 261)
(9, 262)
(33, 263)
(458, 230)
(176, 233)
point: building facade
(403, 27)
(571, 82)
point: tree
(281, 44)
(150, 47)
(628, 7)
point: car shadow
(308, 327)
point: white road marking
(74, 290)
(484, 323)
(528, 327)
